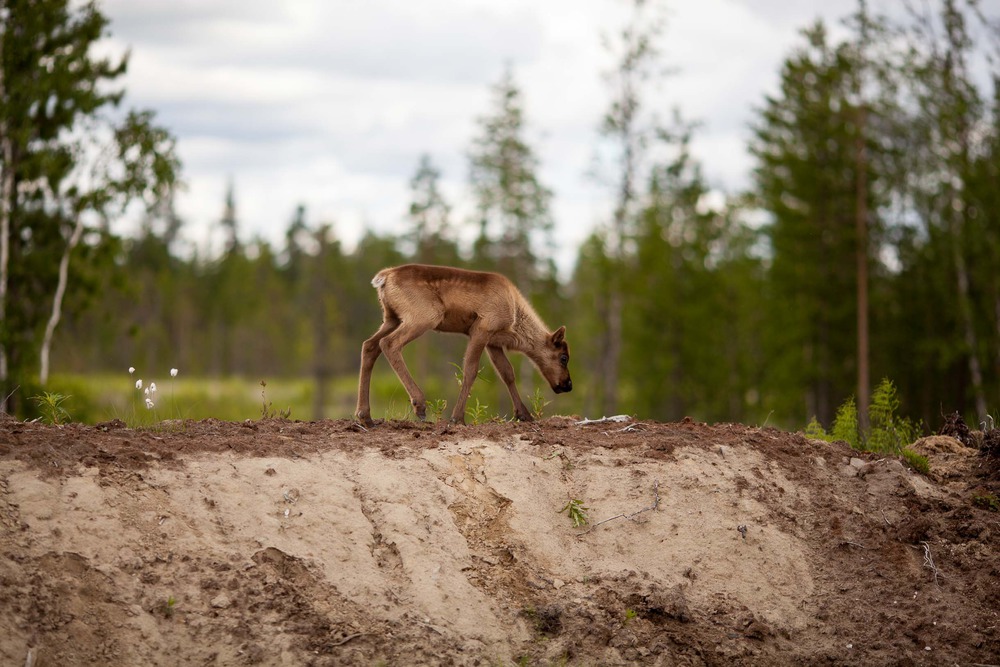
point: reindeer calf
(486, 307)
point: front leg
(470, 368)
(506, 372)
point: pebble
(221, 601)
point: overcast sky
(330, 103)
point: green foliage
(57, 101)
(845, 425)
(889, 433)
(477, 412)
(50, 404)
(577, 512)
(436, 408)
(538, 403)
(431, 238)
(815, 430)
(512, 204)
(986, 501)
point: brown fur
(486, 307)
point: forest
(866, 248)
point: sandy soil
(289, 543)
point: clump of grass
(267, 410)
(50, 404)
(918, 462)
(577, 512)
(148, 394)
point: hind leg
(370, 351)
(392, 346)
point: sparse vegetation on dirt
(278, 542)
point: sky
(331, 103)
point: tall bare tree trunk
(57, 301)
(6, 209)
(965, 308)
(611, 353)
(613, 334)
(861, 255)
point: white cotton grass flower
(173, 372)
(131, 370)
(138, 384)
(149, 404)
(146, 392)
(152, 387)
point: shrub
(888, 433)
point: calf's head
(553, 362)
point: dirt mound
(289, 543)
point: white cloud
(330, 104)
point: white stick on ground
(604, 420)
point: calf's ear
(559, 335)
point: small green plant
(267, 411)
(630, 614)
(986, 501)
(436, 408)
(538, 403)
(845, 424)
(815, 431)
(50, 405)
(566, 462)
(169, 607)
(460, 374)
(477, 413)
(888, 433)
(577, 512)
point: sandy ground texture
(287, 543)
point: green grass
(95, 398)
(100, 397)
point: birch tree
(70, 159)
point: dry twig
(631, 517)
